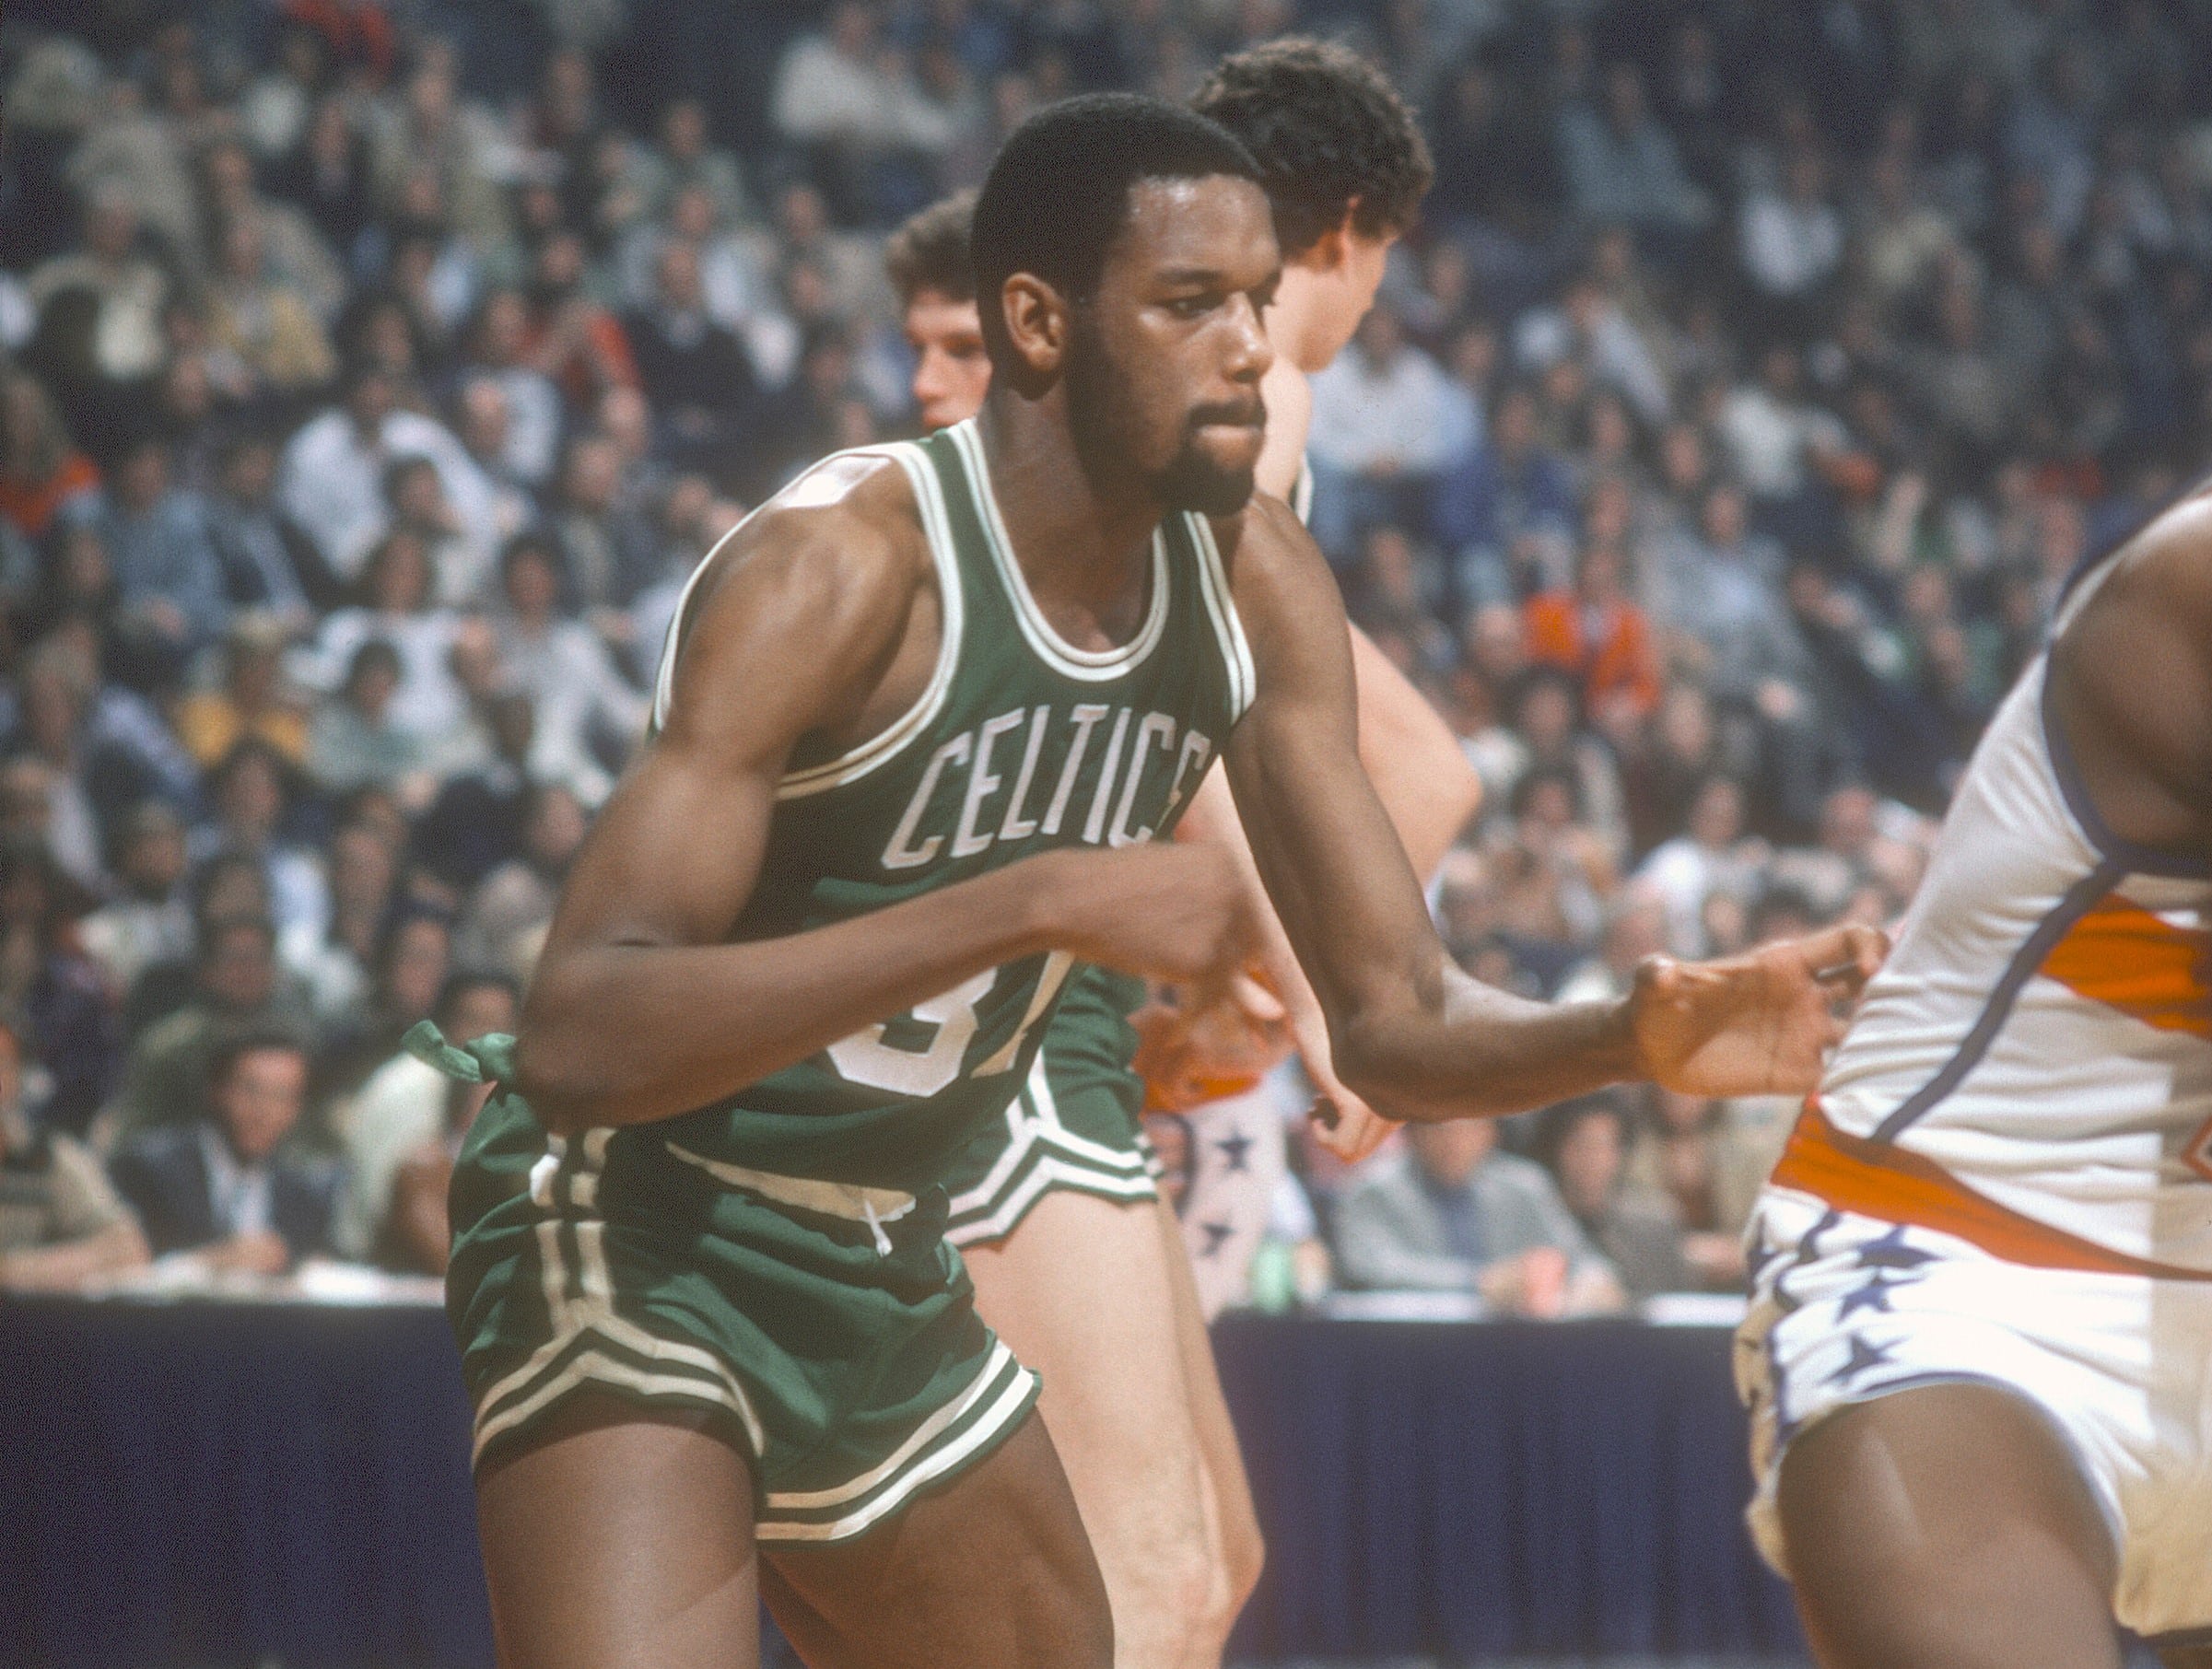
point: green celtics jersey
(1019, 744)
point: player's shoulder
(1262, 537)
(2165, 569)
(849, 526)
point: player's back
(2032, 1068)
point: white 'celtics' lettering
(966, 842)
(1093, 823)
(1016, 826)
(902, 853)
(1156, 724)
(1086, 715)
(959, 773)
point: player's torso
(2042, 1031)
(1019, 744)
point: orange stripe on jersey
(2123, 956)
(1878, 1179)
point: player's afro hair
(929, 251)
(1328, 130)
(1058, 194)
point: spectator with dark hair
(1511, 487)
(46, 979)
(401, 1131)
(1584, 1144)
(104, 749)
(364, 878)
(148, 920)
(354, 739)
(695, 372)
(416, 499)
(226, 1187)
(1709, 1164)
(587, 712)
(157, 537)
(250, 793)
(507, 916)
(268, 564)
(62, 1225)
(475, 824)
(1377, 444)
(568, 336)
(496, 349)
(237, 985)
(331, 481)
(1622, 166)
(394, 601)
(1448, 1212)
(413, 954)
(608, 548)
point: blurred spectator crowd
(374, 375)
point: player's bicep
(1324, 846)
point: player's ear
(1333, 247)
(1037, 322)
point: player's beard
(1109, 431)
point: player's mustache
(1235, 413)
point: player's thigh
(1084, 1292)
(993, 1572)
(1232, 1521)
(625, 1537)
(1946, 1527)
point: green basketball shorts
(826, 1329)
(1075, 1125)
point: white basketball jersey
(2032, 1068)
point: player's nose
(1249, 353)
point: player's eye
(1192, 307)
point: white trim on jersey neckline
(1090, 666)
(1221, 603)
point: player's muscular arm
(2132, 682)
(1410, 1032)
(637, 1011)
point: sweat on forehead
(1059, 193)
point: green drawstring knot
(490, 1059)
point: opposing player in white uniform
(1144, 1431)
(1979, 1355)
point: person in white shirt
(332, 479)
(584, 704)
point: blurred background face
(259, 1099)
(1589, 1163)
(1451, 1152)
(239, 972)
(479, 1012)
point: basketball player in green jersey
(1061, 1183)
(914, 718)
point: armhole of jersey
(930, 501)
(1221, 607)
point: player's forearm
(627, 1033)
(1481, 1053)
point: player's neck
(1298, 322)
(1079, 541)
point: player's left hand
(1755, 1024)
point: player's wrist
(1618, 1046)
